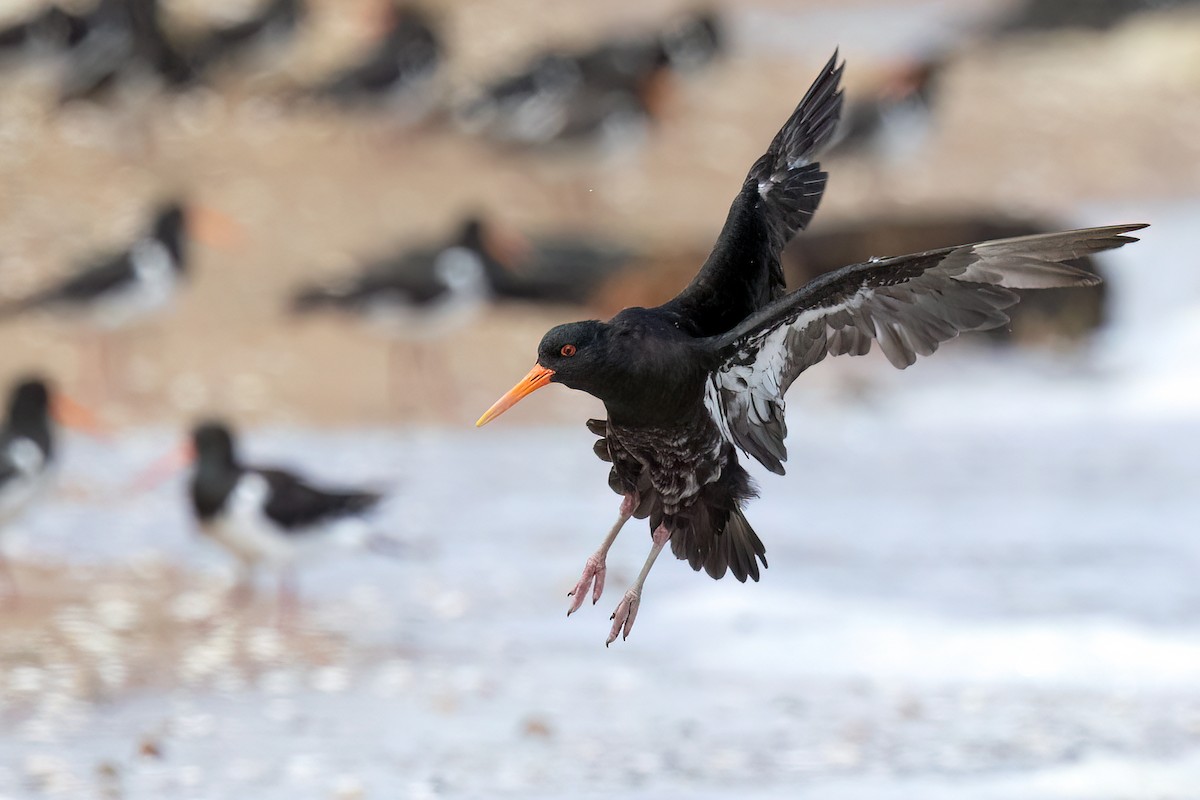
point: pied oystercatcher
(27, 448)
(605, 93)
(261, 516)
(398, 73)
(117, 290)
(688, 383)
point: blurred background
(342, 226)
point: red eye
(568, 350)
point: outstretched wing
(779, 197)
(909, 304)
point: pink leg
(12, 594)
(289, 598)
(595, 568)
(626, 612)
(243, 591)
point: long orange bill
(73, 415)
(215, 228)
(165, 467)
(538, 377)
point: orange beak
(73, 415)
(165, 467)
(538, 377)
(214, 228)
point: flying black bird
(688, 383)
(262, 516)
(27, 448)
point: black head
(29, 403)
(578, 353)
(213, 443)
(170, 228)
(644, 369)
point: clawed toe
(593, 573)
(623, 618)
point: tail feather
(736, 548)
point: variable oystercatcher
(117, 290)
(261, 516)
(688, 383)
(27, 449)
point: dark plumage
(688, 383)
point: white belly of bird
(468, 290)
(149, 293)
(244, 529)
(32, 477)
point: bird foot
(594, 569)
(625, 615)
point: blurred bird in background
(605, 95)
(263, 516)
(28, 451)
(398, 75)
(118, 290)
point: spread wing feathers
(786, 177)
(779, 197)
(909, 304)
